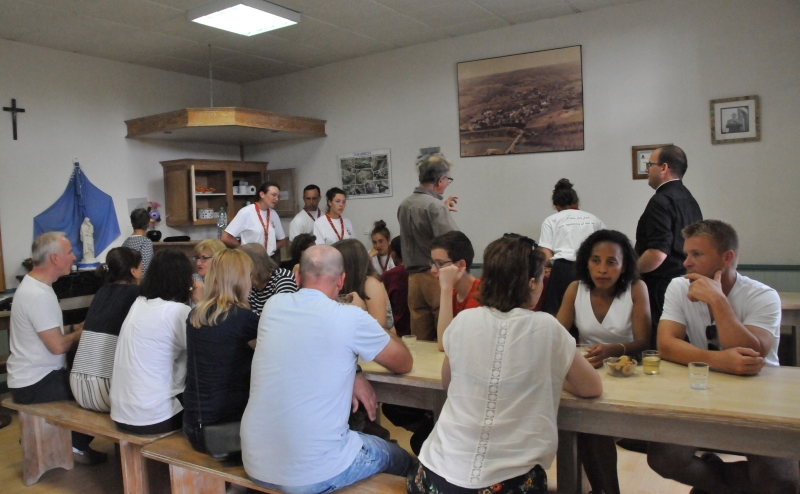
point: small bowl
(624, 372)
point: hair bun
(380, 224)
(563, 184)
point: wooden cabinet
(287, 207)
(183, 178)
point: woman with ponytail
(90, 378)
(560, 237)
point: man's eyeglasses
(711, 334)
(449, 179)
(440, 264)
(201, 258)
(525, 239)
(649, 164)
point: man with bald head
(295, 436)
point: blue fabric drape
(81, 199)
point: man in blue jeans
(294, 430)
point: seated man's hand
(704, 289)
(449, 275)
(363, 392)
(740, 361)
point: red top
(469, 302)
(396, 282)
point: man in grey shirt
(423, 216)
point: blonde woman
(203, 252)
(219, 335)
(268, 279)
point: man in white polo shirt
(37, 364)
(295, 436)
(258, 223)
(733, 324)
(303, 222)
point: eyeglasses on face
(525, 239)
(201, 258)
(649, 164)
(439, 263)
(449, 179)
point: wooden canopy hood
(224, 125)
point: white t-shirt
(378, 259)
(303, 222)
(35, 309)
(294, 429)
(754, 303)
(565, 231)
(325, 233)
(617, 326)
(247, 226)
(149, 363)
(499, 420)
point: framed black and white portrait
(735, 120)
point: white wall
(649, 68)
(75, 107)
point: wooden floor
(635, 476)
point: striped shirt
(95, 355)
(281, 281)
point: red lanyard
(309, 214)
(341, 222)
(265, 225)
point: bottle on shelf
(222, 221)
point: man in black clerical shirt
(659, 242)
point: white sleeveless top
(616, 326)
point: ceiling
(156, 33)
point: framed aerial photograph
(526, 103)
(367, 174)
(735, 120)
(640, 156)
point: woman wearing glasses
(333, 227)
(560, 236)
(497, 431)
(203, 252)
(610, 307)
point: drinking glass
(651, 361)
(698, 375)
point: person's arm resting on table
(395, 356)
(58, 343)
(582, 379)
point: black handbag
(219, 440)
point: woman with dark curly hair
(497, 431)
(610, 307)
(150, 360)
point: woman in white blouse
(610, 307)
(333, 227)
(504, 369)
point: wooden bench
(192, 472)
(47, 443)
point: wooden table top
(772, 398)
(790, 300)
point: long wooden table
(758, 415)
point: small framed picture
(735, 120)
(640, 156)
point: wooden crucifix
(14, 110)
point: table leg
(186, 481)
(568, 467)
(44, 447)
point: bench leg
(44, 447)
(140, 476)
(186, 481)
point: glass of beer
(651, 360)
